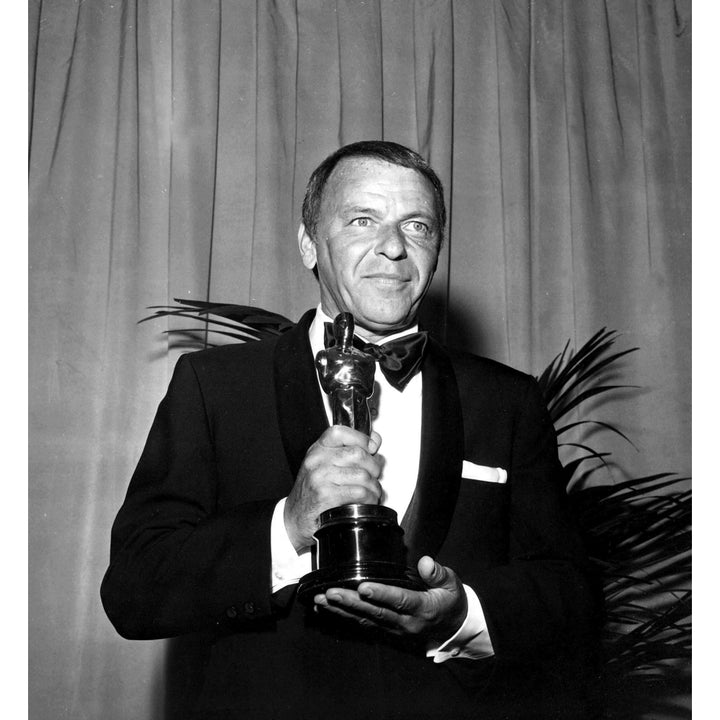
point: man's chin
(383, 325)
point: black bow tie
(399, 359)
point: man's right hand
(341, 467)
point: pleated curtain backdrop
(170, 143)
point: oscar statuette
(357, 542)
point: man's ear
(308, 248)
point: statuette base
(358, 543)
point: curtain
(170, 142)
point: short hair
(390, 152)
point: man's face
(376, 245)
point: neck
(379, 338)
(374, 336)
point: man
(219, 518)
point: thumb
(434, 574)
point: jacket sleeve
(178, 565)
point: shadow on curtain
(169, 148)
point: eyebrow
(376, 212)
(355, 209)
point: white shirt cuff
(288, 566)
(471, 641)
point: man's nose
(391, 243)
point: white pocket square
(471, 471)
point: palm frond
(238, 313)
(561, 382)
(607, 426)
(240, 323)
(638, 536)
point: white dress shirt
(397, 418)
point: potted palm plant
(639, 539)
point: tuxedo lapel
(300, 409)
(430, 511)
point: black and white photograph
(359, 359)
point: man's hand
(341, 467)
(436, 613)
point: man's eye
(417, 227)
(360, 222)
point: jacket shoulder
(223, 356)
(476, 368)
(225, 369)
(251, 353)
(493, 389)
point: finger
(325, 467)
(327, 486)
(374, 443)
(356, 493)
(354, 456)
(340, 435)
(400, 600)
(321, 603)
(340, 612)
(349, 603)
(338, 450)
(434, 574)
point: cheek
(344, 254)
(351, 262)
(425, 264)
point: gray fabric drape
(169, 147)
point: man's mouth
(387, 278)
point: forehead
(377, 181)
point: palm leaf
(240, 323)
(561, 381)
(607, 426)
(638, 537)
(239, 313)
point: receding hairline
(342, 166)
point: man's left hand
(435, 613)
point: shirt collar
(316, 333)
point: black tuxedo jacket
(190, 552)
